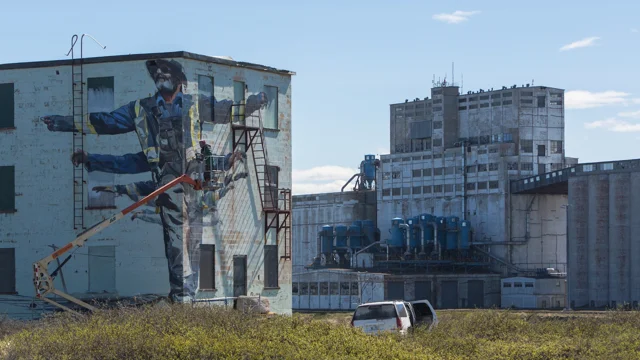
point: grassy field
(183, 332)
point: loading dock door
(475, 293)
(423, 290)
(239, 275)
(395, 290)
(449, 294)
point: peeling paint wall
(44, 202)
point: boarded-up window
(271, 266)
(271, 186)
(205, 97)
(102, 269)
(7, 271)
(7, 189)
(238, 92)
(420, 129)
(100, 98)
(207, 266)
(7, 106)
(271, 112)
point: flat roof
(136, 57)
(538, 87)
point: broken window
(207, 266)
(271, 110)
(437, 125)
(304, 288)
(344, 288)
(526, 146)
(324, 288)
(271, 186)
(542, 101)
(471, 169)
(386, 192)
(354, 288)
(334, 288)
(396, 174)
(270, 266)
(294, 288)
(482, 167)
(541, 150)
(313, 288)
(556, 146)
(493, 167)
(512, 166)
(493, 184)
(426, 189)
(471, 186)
(7, 271)
(205, 90)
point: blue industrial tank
(425, 220)
(355, 235)
(369, 169)
(414, 232)
(326, 239)
(465, 234)
(452, 232)
(442, 231)
(341, 236)
(369, 232)
(397, 233)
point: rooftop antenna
(531, 82)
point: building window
(205, 97)
(506, 285)
(344, 288)
(528, 284)
(482, 185)
(437, 156)
(473, 98)
(459, 187)
(462, 108)
(395, 174)
(518, 284)
(437, 125)
(471, 169)
(484, 97)
(437, 172)
(482, 167)
(386, 192)
(471, 186)
(437, 108)
(7, 106)
(313, 288)
(399, 109)
(506, 102)
(556, 146)
(493, 184)
(541, 150)
(493, 167)
(386, 175)
(504, 95)
(448, 188)
(512, 166)
(495, 96)
(417, 173)
(271, 186)
(475, 106)
(437, 101)
(102, 269)
(526, 166)
(484, 105)
(462, 100)
(294, 288)
(417, 190)
(100, 98)
(271, 266)
(437, 142)
(542, 101)
(495, 103)
(526, 101)
(304, 288)
(395, 192)
(406, 190)
(238, 92)
(207, 267)
(354, 289)
(426, 172)
(271, 111)
(437, 189)
(426, 189)
(526, 146)
(7, 189)
(324, 288)
(7, 271)
(450, 170)
(527, 93)
(334, 288)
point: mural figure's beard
(165, 85)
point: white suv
(394, 315)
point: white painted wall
(44, 186)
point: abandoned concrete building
(82, 138)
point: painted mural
(168, 126)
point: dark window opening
(7, 189)
(271, 266)
(8, 271)
(7, 106)
(207, 266)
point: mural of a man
(168, 127)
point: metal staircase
(248, 132)
(77, 104)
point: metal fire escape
(248, 132)
(77, 104)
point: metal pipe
(345, 185)
(422, 231)
(387, 252)
(355, 255)
(406, 235)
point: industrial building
(444, 208)
(83, 138)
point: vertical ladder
(78, 140)
(286, 222)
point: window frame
(277, 108)
(10, 89)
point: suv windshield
(371, 312)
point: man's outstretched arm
(119, 121)
(124, 164)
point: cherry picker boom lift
(43, 280)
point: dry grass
(183, 332)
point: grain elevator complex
(470, 209)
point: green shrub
(185, 332)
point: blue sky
(354, 59)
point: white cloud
(321, 179)
(586, 42)
(636, 101)
(580, 99)
(613, 124)
(455, 17)
(630, 114)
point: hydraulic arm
(43, 280)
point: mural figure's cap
(166, 66)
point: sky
(354, 58)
